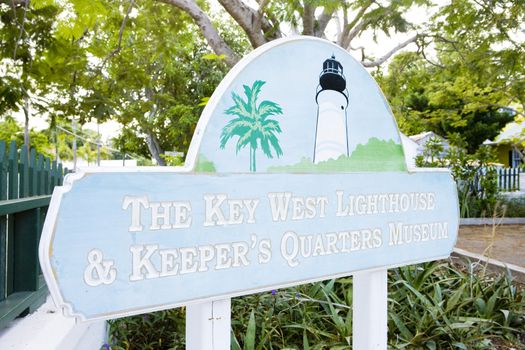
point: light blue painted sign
(295, 174)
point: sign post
(369, 312)
(296, 174)
(208, 323)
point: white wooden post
(208, 325)
(370, 308)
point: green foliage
(252, 124)
(41, 71)
(10, 130)
(376, 155)
(472, 78)
(382, 17)
(138, 63)
(444, 99)
(513, 207)
(431, 306)
(156, 331)
(436, 306)
(475, 177)
(154, 82)
(172, 160)
(433, 151)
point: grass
(376, 155)
(431, 306)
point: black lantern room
(332, 77)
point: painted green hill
(204, 165)
(377, 155)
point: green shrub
(431, 306)
(157, 330)
(476, 178)
(513, 207)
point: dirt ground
(505, 243)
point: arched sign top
(288, 107)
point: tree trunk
(207, 29)
(74, 145)
(308, 19)
(57, 154)
(154, 148)
(26, 124)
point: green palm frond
(246, 139)
(269, 129)
(271, 125)
(252, 94)
(269, 141)
(235, 127)
(268, 108)
(248, 92)
(275, 143)
(240, 108)
(265, 146)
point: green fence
(26, 183)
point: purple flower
(274, 292)
(106, 346)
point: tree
(23, 39)
(252, 125)
(444, 99)
(43, 63)
(481, 40)
(264, 22)
(10, 130)
(151, 75)
(146, 67)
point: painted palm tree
(252, 124)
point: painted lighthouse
(331, 135)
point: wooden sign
(296, 173)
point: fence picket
(3, 171)
(3, 219)
(23, 169)
(511, 179)
(12, 193)
(516, 177)
(12, 171)
(60, 175)
(32, 173)
(40, 175)
(54, 175)
(47, 176)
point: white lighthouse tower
(331, 135)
